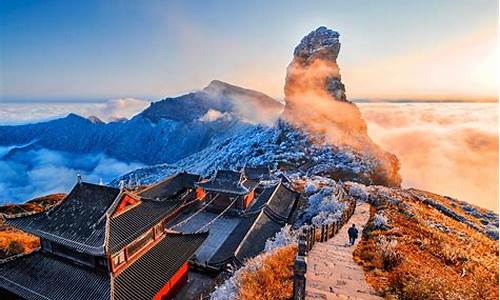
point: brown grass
(14, 241)
(461, 264)
(273, 280)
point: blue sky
(69, 50)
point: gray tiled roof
(225, 182)
(254, 242)
(39, 276)
(128, 226)
(78, 222)
(264, 220)
(283, 201)
(146, 276)
(257, 173)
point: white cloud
(20, 113)
(35, 173)
(446, 148)
(213, 115)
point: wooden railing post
(302, 247)
(315, 232)
(322, 236)
(311, 237)
(299, 271)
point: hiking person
(353, 234)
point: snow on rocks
(283, 238)
(358, 191)
(324, 201)
(281, 146)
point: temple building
(260, 173)
(102, 242)
(241, 210)
(275, 207)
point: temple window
(118, 259)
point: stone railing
(307, 239)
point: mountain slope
(419, 245)
(281, 146)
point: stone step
(332, 272)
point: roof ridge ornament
(79, 178)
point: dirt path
(331, 270)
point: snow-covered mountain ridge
(281, 146)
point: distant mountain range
(165, 132)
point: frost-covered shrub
(332, 213)
(492, 232)
(380, 222)
(358, 191)
(283, 238)
(386, 248)
(229, 290)
(323, 205)
(310, 188)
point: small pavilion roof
(226, 181)
(170, 186)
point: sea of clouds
(27, 173)
(13, 113)
(446, 148)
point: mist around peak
(316, 101)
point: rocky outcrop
(316, 101)
(314, 92)
(320, 48)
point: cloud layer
(19, 113)
(447, 148)
(29, 173)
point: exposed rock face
(315, 95)
(316, 100)
(319, 49)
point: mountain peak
(219, 84)
(219, 88)
(95, 120)
(73, 116)
(322, 41)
